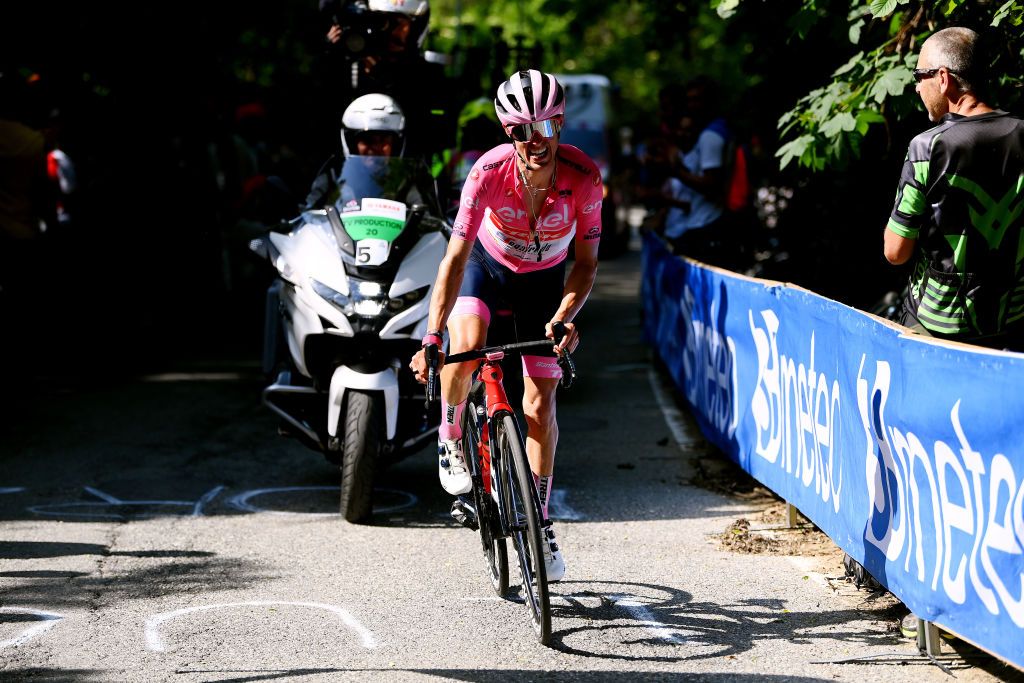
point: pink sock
(451, 421)
(544, 492)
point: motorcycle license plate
(372, 252)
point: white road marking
(12, 489)
(103, 496)
(155, 643)
(558, 508)
(644, 616)
(630, 603)
(206, 499)
(241, 501)
(49, 620)
(193, 508)
(673, 416)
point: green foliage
(640, 46)
(873, 89)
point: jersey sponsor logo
(554, 220)
(475, 175)
(591, 208)
(470, 202)
(573, 165)
(460, 230)
(597, 179)
(491, 167)
(593, 234)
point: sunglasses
(547, 128)
(922, 74)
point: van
(588, 126)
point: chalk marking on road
(49, 620)
(241, 501)
(193, 508)
(155, 643)
(206, 499)
(645, 617)
(673, 416)
(560, 509)
(103, 496)
(12, 489)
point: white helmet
(418, 12)
(376, 113)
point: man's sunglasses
(547, 128)
(922, 74)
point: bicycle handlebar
(565, 361)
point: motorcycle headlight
(408, 299)
(369, 289)
(340, 301)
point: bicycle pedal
(464, 514)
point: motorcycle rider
(527, 202)
(376, 46)
(373, 125)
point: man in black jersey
(959, 208)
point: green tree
(872, 89)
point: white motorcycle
(351, 304)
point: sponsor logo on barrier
(796, 412)
(709, 364)
(968, 511)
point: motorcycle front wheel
(362, 429)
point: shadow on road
(608, 615)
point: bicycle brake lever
(568, 366)
(565, 361)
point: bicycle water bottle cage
(493, 356)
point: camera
(363, 32)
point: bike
(348, 308)
(504, 502)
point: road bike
(503, 502)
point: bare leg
(466, 332)
(542, 428)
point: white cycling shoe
(554, 562)
(451, 468)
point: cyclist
(522, 207)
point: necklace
(534, 191)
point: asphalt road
(158, 529)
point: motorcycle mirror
(344, 240)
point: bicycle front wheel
(522, 508)
(494, 546)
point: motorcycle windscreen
(374, 195)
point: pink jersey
(493, 198)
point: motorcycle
(350, 304)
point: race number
(371, 252)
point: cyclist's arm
(449, 280)
(577, 289)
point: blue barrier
(907, 452)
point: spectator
(703, 168)
(958, 204)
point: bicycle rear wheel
(522, 506)
(494, 547)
